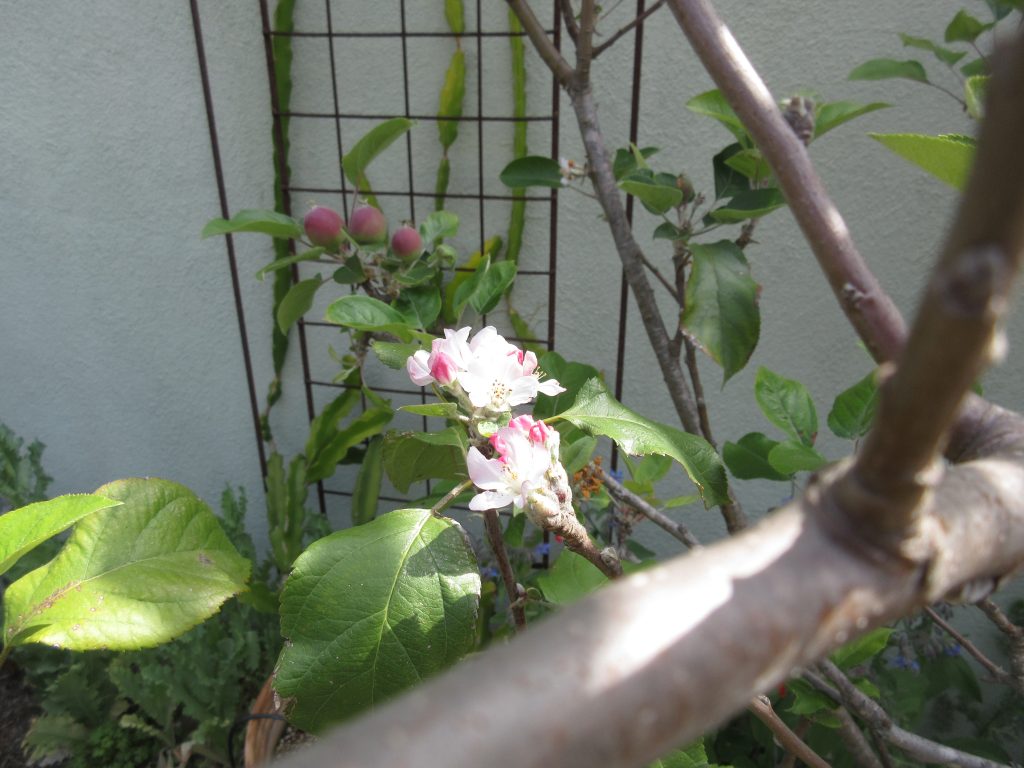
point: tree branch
(915, 746)
(598, 50)
(1015, 635)
(497, 540)
(585, 41)
(869, 308)
(761, 708)
(541, 42)
(570, 20)
(623, 495)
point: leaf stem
(4, 653)
(449, 497)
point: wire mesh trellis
(329, 39)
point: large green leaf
(597, 412)
(492, 286)
(255, 220)
(747, 458)
(786, 404)
(729, 181)
(629, 159)
(367, 424)
(790, 457)
(885, 69)
(365, 313)
(713, 104)
(946, 157)
(862, 649)
(413, 456)
(835, 113)
(297, 302)
(420, 306)
(532, 171)
(571, 375)
(721, 305)
(854, 409)
(437, 226)
(375, 141)
(23, 529)
(370, 611)
(749, 205)
(693, 756)
(129, 576)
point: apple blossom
(520, 469)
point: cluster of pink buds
(368, 226)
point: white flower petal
(492, 500)
(488, 474)
(418, 368)
(550, 387)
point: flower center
(499, 394)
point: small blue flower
(900, 662)
(489, 573)
(952, 650)
(542, 549)
(615, 473)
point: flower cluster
(490, 376)
(494, 374)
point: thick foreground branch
(655, 660)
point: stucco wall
(120, 346)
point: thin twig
(761, 708)
(571, 26)
(623, 495)
(598, 50)
(585, 42)
(661, 278)
(994, 669)
(1015, 635)
(855, 741)
(449, 497)
(497, 542)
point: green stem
(4, 653)
(449, 497)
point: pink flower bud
(406, 243)
(368, 225)
(323, 226)
(443, 368)
(529, 361)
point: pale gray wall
(119, 345)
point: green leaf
(413, 456)
(693, 756)
(947, 157)
(656, 197)
(713, 104)
(297, 302)
(597, 412)
(375, 141)
(975, 89)
(365, 313)
(420, 306)
(403, 592)
(295, 258)
(351, 272)
(728, 181)
(392, 354)
(752, 204)
(367, 488)
(569, 579)
(324, 427)
(573, 376)
(976, 67)
(835, 113)
(668, 231)
(791, 457)
(885, 69)
(750, 164)
(854, 409)
(418, 274)
(807, 700)
(625, 161)
(442, 410)
(453, 93)
(367, 424)
(945, 55)
(747, 459)
(21, 530)
(786, 404)
(492, 286)
(254, 220)
(129, 576)
(438, 226)
(964, 28)
(721, 312)
(454, 15)
(862, 649)
(532, 171)
(575, 455)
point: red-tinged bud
(368, 226)
(323, 226)
(443, 368)
(406, 243)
